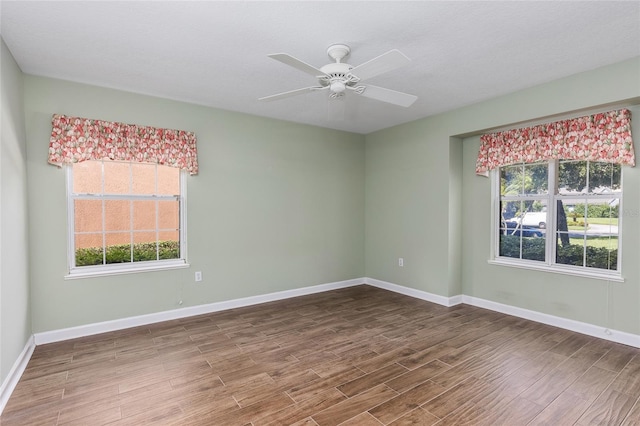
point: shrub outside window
(124, 217)
(560, 215)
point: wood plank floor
(356, 356)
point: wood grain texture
(356, 356)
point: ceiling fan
(338, 78)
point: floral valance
(75, 139)
(600, 137)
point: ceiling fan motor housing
(338, 76)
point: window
(559, 215)
(125, 216)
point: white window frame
(130, 267)
(549, 265)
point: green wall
(279, 206)
(15, 312)
(425, 203)
(276, 206)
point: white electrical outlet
(400, 261)
(198, 276)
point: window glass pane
(168, 215)
(509, 246)
(528, 213)
(572, 177)
(144, 215)
(604, 178)
(117, 238)
(169, 235)
(145, 247)
(88, 240)
(169, 245)
(570, 232)
(168, 180)
(87, 177)
(602, 252)
(143, 178)
(601, 214)
(601, 234)
(572, 214)
(511, 180)
(510, 209)
(533, 214)
(572, 253)
(533, 245)
(118, 246)
(144, 237)
(535, 179)
(116, 177)
(88, 249)
(117, 215)
(87, 215)
(524, 179)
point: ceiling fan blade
(296, 63)
(388, 95)
(384, 63)
(291, 93)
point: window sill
(534, 266)
(121, 269)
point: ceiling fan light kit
(339, 77)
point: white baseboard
(567, 324)
(18, 368)
(9, 384)
(120, 324)
(418, 294)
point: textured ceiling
(215, 53)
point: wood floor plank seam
(630, 417)
(593, 405)
(354, 356)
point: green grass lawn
(610, 243)
(594, 220)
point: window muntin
(125, 216)
(580, 211)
